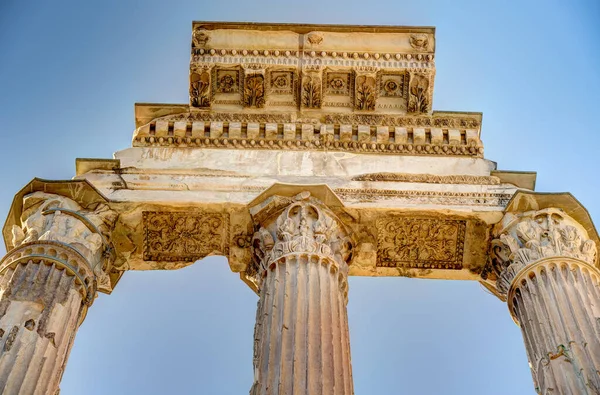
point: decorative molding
(204, 55)
(427, 197)
(312, 145)
(436, 120)
(190, 130)
(525, 238)
(184, 236)
(420, 243)
(429, 178)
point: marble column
(546, 268)
(302, 342)
(47, 282)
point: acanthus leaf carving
(183, 236)
(254, 90)
(50, 218)
(305, 226)
(311, 92)
(418, 101)
(522, 239)
(420, 242)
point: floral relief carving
(227, 81)
(183, 236)
(311, 92)
(429, 178)
(536, 235)
(304, 226)
(282, 83)
(338, 83)
(419, 93)
(392, 85)
(365, 93)
(420, 242)
(254, 91)
(199, 89)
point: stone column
(546, 269)
(47, 282)
(302, 342)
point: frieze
(429, 178)
(390, 120)
(428, 243)
(332, 118)
(373, 58)
(184, 236)
(484, 199)
(318, 144)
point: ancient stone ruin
(306, 154)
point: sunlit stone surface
(306, 154)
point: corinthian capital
(298, 225)
(50, 219)
(521, 239)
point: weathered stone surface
(61, 257)
(545, 266)
(300, 267)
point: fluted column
(546, 268)
(47, 283)
(302, 342)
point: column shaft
(302, 333)
(300, 267)
(556, 301)
(39, 311)
(47, 282)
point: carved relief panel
(184, 236)
(338, 88)
(419, 100)
(365, 94)
(420, 242)
(227, 86)
(282, 87)
(393, 91)
(200, 84)
(310, 93)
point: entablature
(311, 68)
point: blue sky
(70, 72)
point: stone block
(454, 136)
(400, 135)
(308, 132)
(383, 134)
(180, 128)
(364, 133)
(235, 130)
(346, 132)
(289, 131)
(271, 131)
(437, 136)
(419, 136)
(216, 129)
(253, 130)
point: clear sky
(70, 72)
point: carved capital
(301, 225)
(522, 239)
(57, 229)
